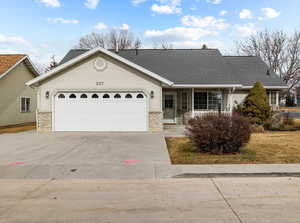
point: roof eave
(90, 53)
(269, 87)
(32, 67)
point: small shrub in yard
(282, 123)
(256, 105)
(257, 128)
(219, 134)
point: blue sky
(42, 28)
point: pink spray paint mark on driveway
(17, 163)
(131, 161)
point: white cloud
(178, 34)
(13, 40)
(100, 26)
(137, 2)
(246, 14)
(125, 27)
(204, 22)
(51, 3)
(223, 12)
(216, 2)
(269, 13)
(91, 4)
(63, 21)
(167, 7)
(245, 30)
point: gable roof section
(181, 66)
(9, 61)
(249, 69)
(85, 54)
(196, 67)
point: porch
(181, 104)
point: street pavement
(211, 200)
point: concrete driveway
(63, 155)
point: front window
(207, 100)
(25, 104)
(200, 100)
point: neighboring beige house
(141, 90)
(17, 101)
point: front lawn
(270, 147)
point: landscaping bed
(15, 129)
(263, 148)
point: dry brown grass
(292, 109)
(17, 129)
(270, 147)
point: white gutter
(268, 87)
(88, 54)
(207, 86)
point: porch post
(193, 109)
(277, 99)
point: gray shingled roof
(196, 66)
(248, 70)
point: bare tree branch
(280, 51)
(122, 39)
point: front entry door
(169, 106)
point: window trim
(187, 101)
(27, 110)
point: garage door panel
(100, 114)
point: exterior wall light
(152, 94)
(47, 94)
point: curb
(224, 175)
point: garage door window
(140, 96)
(72, 96)
(61, 96)
(106, 96)
(83, 96)
(128, 96)
(95, 96)
(117, 96)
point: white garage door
(105, 111)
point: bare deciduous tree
(280, 51)
(121, 39)
(163, 44)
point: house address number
(99, 83)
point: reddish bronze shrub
(219, 134)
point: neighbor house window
(25, 104)
(206, 100)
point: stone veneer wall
(187, 117)
(44, 121)
(155, 121)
